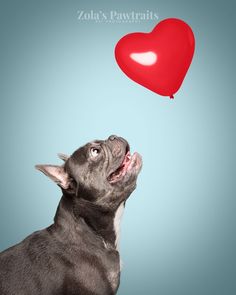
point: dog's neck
(102, 222)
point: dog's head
(102, 171)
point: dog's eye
(94, 152)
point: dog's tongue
(126, 159)
(122, 169)
(125, 163)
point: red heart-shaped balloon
(158, 60)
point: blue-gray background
(61, 87)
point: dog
(79, 253)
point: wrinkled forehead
(80, 156)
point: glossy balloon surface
(158, 60)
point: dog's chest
(112, 266)
(99, 270)
(96, 257)
(117, 223)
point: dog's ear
(63, 157)
(57, 174)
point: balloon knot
(172, 96)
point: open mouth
(127, 164)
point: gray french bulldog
(78, 253)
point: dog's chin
(128, 169)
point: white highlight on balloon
(145, 58)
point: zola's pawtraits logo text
(115, 16)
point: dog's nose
(112, 137)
